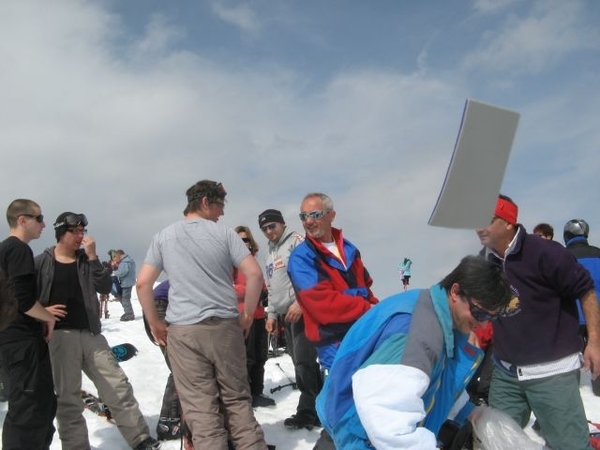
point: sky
(149, 391)
(114, 109)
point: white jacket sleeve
(389, 405)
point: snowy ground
(148, 374)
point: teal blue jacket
(399, 373)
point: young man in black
(23, 344)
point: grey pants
(208, 360)
(72, 351)
(555, 401)
(126, 300)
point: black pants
(257, 350)
(306, 367)
(31, 400)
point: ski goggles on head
(72, 221)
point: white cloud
(534, 41)
(121, 131)
(492, 6)
(241, 15)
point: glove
(264, 298)
(454, 437)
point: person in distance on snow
(125, 273)
(68, 279)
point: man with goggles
(537, 352)
(70, 221)
(69, 276)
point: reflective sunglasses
(480, 314)
(39, 218)
(72, 221)
(318, 214)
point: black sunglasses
(246, 240)
(269, 227)
(72, 221)
(39, 218)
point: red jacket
(332, 296)
(239, 284)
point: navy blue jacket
(546, 280)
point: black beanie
(58, 232)
(270, 215)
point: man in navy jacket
(537, 350)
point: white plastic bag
(495, 430)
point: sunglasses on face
(72, 221)
(480, 314)
(316, 215)
(269, 227)
(39, 218)
(246, 240)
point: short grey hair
(327, 202)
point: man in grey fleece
(283, 307)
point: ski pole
(292, 382)
(281, 386)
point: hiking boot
(127, 317)
(297, 422)
(168, 429)
(259, 400)
(148, 444)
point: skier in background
(404, 270)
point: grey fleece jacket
(93, 278)
(281, 291)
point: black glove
(454, 437)
(264, 298)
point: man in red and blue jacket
(332, 285)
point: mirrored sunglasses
(318, 214)
(480, 314)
